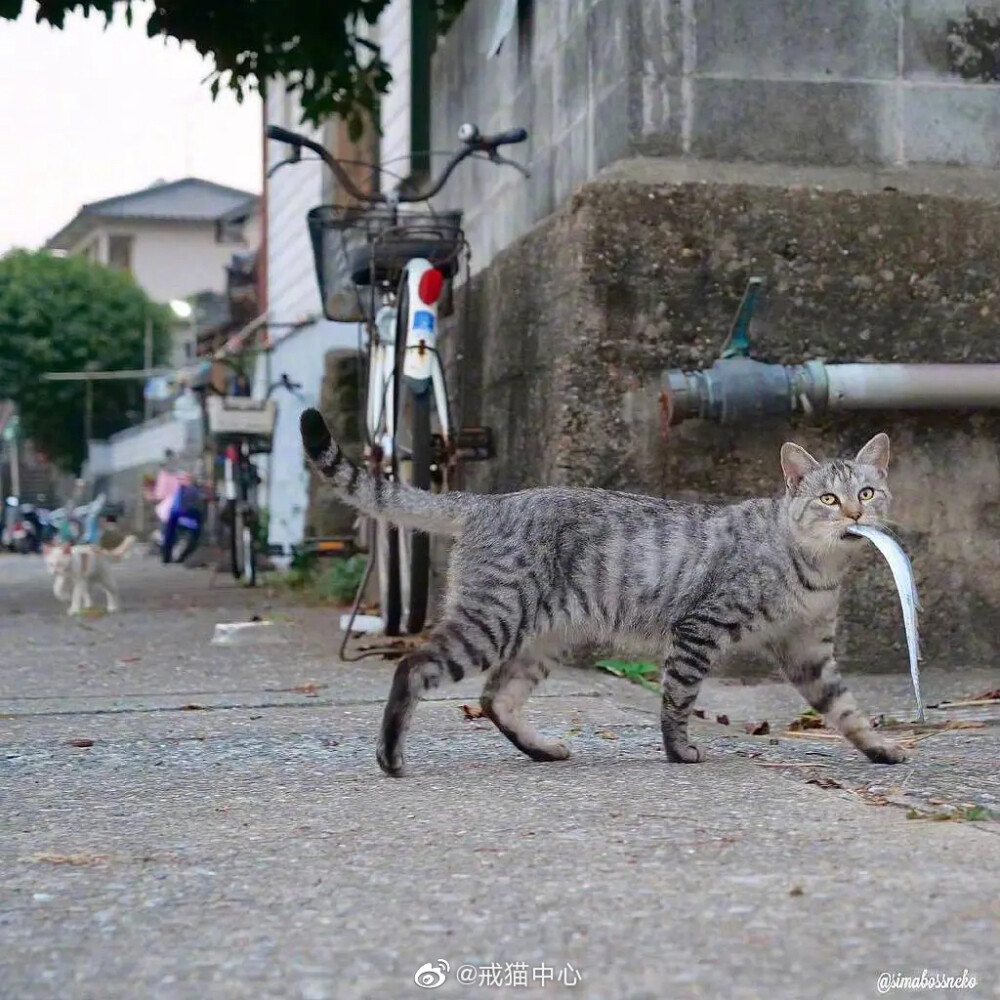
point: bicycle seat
(384, 262)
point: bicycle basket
(238, 416)
(354, 247)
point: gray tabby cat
(530, 570)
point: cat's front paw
(390, 762)
(683, 753)
(885, 753)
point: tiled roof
(188, 200)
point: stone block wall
(865, 83)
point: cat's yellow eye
(829, 499)
(866, 494)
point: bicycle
(404, 260)
(244, 427)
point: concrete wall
(858, 83)
(571, 327)
(138, 446)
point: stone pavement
(189, 821)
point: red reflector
(429, 288)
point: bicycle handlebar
(469, 135)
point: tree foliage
(63, 314)
(317, 48)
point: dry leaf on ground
(825, 782)
(81, 742)
(310, 690)
(79, 860)
(472, 711)
(807, 720)
(758, 728)
(723, 720)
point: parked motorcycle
(23, 527)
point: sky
(89, 113)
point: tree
(63, 314)
(313, 46)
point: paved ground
(228, 835)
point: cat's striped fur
(533, 569)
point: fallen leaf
(79, 860)
(310, 690)
(723, 720)
(698, 713)
(130, 659)
(607, 734)
(796, 890)
(473, 711)
(194, 708)
(80, 743)
(807, 720)
(758, 728)
(824, 783)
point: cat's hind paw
(391, 763)
(683, 753)
(885, 753)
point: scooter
(23, 528)
(181, 531)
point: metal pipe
(737, 389)
(912, 387)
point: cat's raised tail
(439, 514)
(121, 551)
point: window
(89, 252)
(120, 253)
(230, 231)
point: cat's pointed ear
(795, 463)
(875, 453)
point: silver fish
(902, 573)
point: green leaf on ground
(639, 673)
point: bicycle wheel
(235, 539)
(411, 460)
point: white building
(293, 298)
(292, 291)
(175, 239)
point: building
(176, 239)
(189, 241)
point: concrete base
(570, 328)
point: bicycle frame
(421, 361)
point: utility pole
(147, 363)
(88, 376)
(15, 468)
